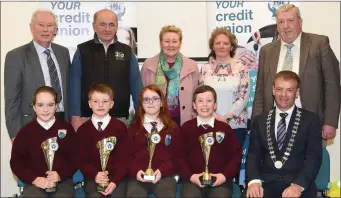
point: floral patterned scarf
(171, 90)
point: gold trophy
(206, 141)
(50, 146)
(153, 139)
(105, 146)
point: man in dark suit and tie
(308, 55)
(32, 65)
(285, 152)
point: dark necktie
(154, 129)
(206, 126)
(53, 74)
(281, 130)
(100, 126)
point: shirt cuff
(302, 189)
(254, 181)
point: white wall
(189, 16)
(319, 17)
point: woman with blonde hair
(175, 74)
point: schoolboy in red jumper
(100, 126)
(225, 155)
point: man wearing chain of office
(285, 152)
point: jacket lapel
(186, 68)
(272, 132)
(32, 57)
(274, 59)
(304, 51)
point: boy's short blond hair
(101, 88)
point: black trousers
(64, 189)
(166, 187)
(90, 188)
(275, 189)
(192, 190)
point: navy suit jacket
(305, 157)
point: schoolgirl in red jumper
(27, 158)
(152, 116)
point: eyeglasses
(147, 100)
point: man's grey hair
(287, 7)
(34, 15)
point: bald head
(104, 13)
(105, 25)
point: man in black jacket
(285, 152)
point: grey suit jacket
(23, 75)
(319, 74)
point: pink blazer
(189, 81)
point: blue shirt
(74, 87)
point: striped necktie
(281, 130)
(53, 74)
(100, 126)
(206, 126)
(154, 129)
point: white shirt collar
(209, 122)
(297, 41)
(146, 123)
(40, 49)
(106, 46)
(105, 120)
(46, 125)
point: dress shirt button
(182, 88)
(183, 107)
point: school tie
(53, 74)
(154, 129)
(100, 126)
(281, 130)
(289, 59)
(206, 126)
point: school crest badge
(168, 139)
(62, 133)
(219, 136)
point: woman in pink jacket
(175, 74)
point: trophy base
(207, 182)
(51, 190)
(149, 177)
(101, 187)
